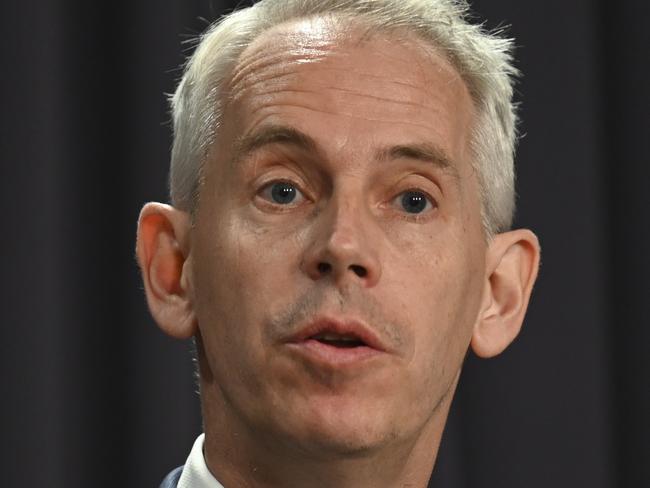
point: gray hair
(483, 59)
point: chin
(338, 443)
(331, 429)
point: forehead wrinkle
(372, 76)
(281, 89)
(266, 59)
(374, 97)
(275, 76)
(295, 48)
(263, 72)
(281, 96)
(351, 115)
(284, 78)
(281, 66)
(359, 80)
(292, 44)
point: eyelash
(279, 206)
(403, 214)
(416, 217)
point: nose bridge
(344, 246)
(347, 219)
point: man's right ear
(162, 249)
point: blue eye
(282, 193)
(414, 201)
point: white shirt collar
(195, 472)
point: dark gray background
(94, 395)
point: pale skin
(351, 127)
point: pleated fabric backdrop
(93, 394)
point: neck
(241, 457)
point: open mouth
(337, 342)
(345, 341)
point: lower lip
(332, 355)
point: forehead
(375, 86)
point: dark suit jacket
(171, 480)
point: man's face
(338, 259)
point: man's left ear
(511, 269)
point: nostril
(324, 268)
(360, 271)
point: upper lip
(344, 327)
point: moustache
(349, 302)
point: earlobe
(163, 253)
(512, 265)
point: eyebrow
(280, 134)
(428, 153)
(273, 134)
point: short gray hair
(482, 58)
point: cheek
(226, 310)
(438, 281)
(242, 270)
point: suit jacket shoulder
(171, 480)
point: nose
(345, 246)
